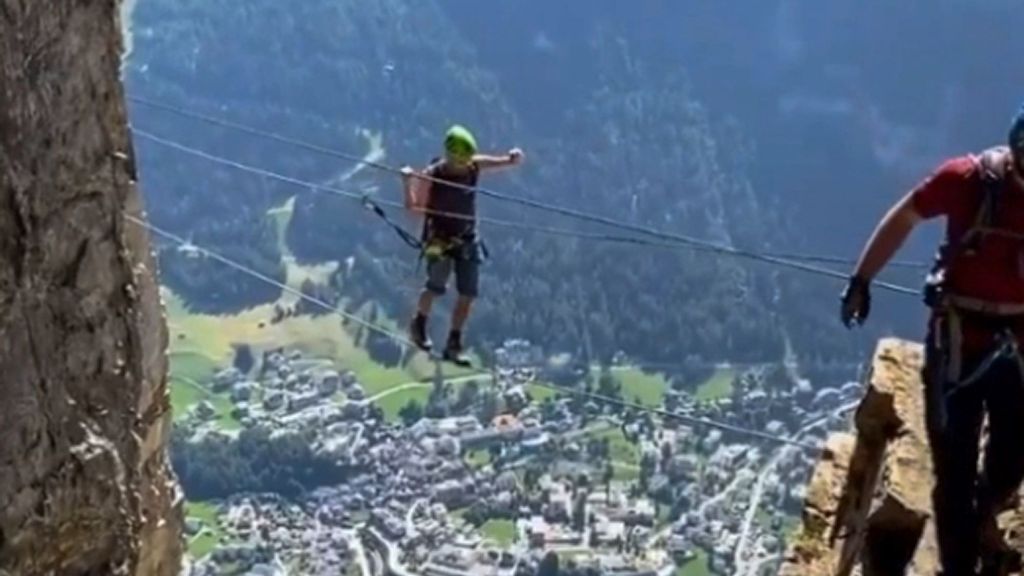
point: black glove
(856, 302)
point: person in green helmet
(448, 202)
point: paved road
(409, 524)
(356, 545)
(393, 556)
(742, 567)
(742, 476)
(412, 385)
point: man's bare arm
(489, 162)
(887, 238)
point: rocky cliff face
(85, 486)
(868, 505)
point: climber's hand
(856, 302)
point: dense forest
(257, 462)
(766, 125)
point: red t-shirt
(995, 271)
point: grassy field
(621, 473)
(212, 336)
(696, 567)
(204, 511)
(190, 374)
(539, 393)
(719, 385)
(478, 458)
(207, 541)
(621, 450)
(186, 393)
(649, 388)
(502, 532)
(191, 365)
(203, 544)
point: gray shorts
(467, 274)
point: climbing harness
(464, 246)
(992, 179)
(456, 248)
(1008, 348)
(948, 378)
(951, 308)
(404, 234)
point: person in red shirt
(972, 365)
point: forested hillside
(691, 120)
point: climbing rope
(359, 160)
(692, 420)
(679, 241)
(668, 240)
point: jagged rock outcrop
(868, 504)
(85, 483)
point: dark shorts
(467, 272)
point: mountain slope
(767, 125)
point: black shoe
(418, 333)
(453, 351)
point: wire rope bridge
(640, 235)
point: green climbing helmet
(459, 142)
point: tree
(777, 379)
(671, 401)
(608, 385)
(311, 291)
(644, 482)
(255, 462)
(649, 426)
(578, 402)
(548, 565)
(467, 396)
(436, 408)
(548, 410)
(489, 405)
(244, 359)
(693, 371)
(666, 453)
(383, 349)
(531, 477)
(648, 465)
(609, 475)
(579, 511)
(411, 413)
(375, 412)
